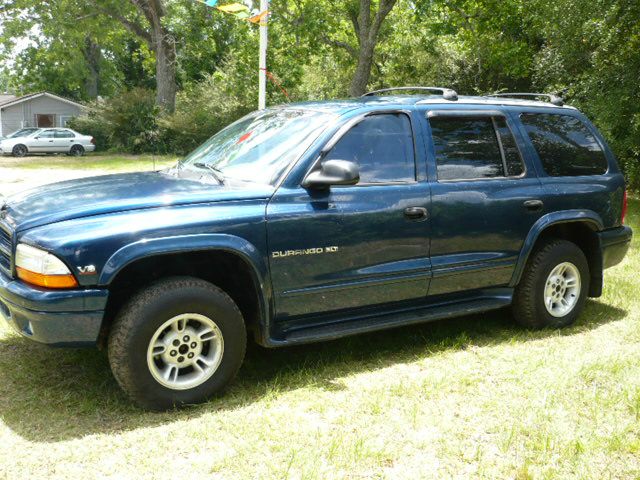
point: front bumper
(54, 317)
(615, 244)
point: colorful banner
(238, 10)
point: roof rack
(447, 93)
(553, 98)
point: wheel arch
(19, 145)
(577, 226)
(208, 256)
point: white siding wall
(24, 114)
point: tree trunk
(367, 30)
(363, 70)
(165, 50)
(163, 44)
(93, 56)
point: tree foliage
(588, 49)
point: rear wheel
(554, 286)
(76, 151)
(177, 342)
(19, 151)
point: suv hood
(114, 193)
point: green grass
(474, 397)
(97, 161)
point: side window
(64, 134)
(564, 144)
(382, 146)
(45, 134)
(474, 147)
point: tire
(19, 150)
(137, 367)
(76, 151)
(548, 276)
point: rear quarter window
(565, 145)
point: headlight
(40, 268)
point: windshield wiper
(216, 172)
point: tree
(60, 47)
(366, 24)
(158, 38)
(335, 26)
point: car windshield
(260, 146)
(22, 133)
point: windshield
(259, 147)
(22, 133)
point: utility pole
(262, 75)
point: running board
(391, 320)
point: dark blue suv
(312, 221)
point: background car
(23, 132)
(49, 140)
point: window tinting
(564, 144)
(64, 134)
(466, 148)
(382, 146)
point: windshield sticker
(244, 137)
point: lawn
(473, 397)
(91, 161)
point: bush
(127, 122)
(204, 108)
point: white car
(48, 140)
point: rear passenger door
(485, 199)
(63, 140)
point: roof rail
(553, 98)
(447, 93)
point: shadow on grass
(49, 395)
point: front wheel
(19, 151)
(554, 286)
(177, 342)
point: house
(35, 110)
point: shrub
(127, 122)
(202, 109)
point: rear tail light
(93, 141)
(624, 207)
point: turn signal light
(47, 281)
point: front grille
(5, 248)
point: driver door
(346, 248)
(41, 142)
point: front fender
(185, 243)
(544, 222)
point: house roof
(5, 98)
(9, 100)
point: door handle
(533, 205)
(415, 213)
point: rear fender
(554, 218)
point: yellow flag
(233, 8)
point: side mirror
(333, 172)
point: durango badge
(305, 251)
